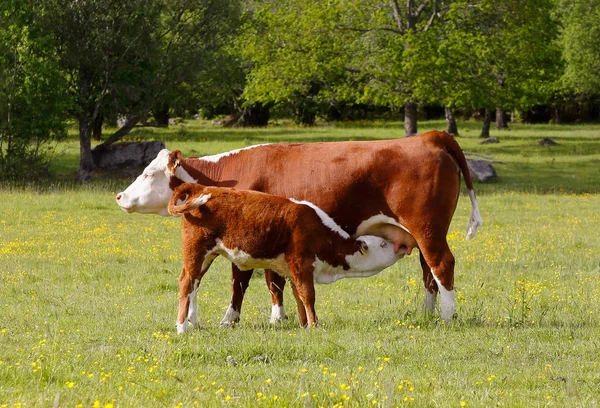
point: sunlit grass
(88, 298)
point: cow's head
(151, 191)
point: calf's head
(375, 254)
(151, 191)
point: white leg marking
(182, 327)
(193, 309)
(230, 318)
(448, 308)
(277, 314)
(429, 301)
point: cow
(257, 230)
(386, 188)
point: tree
(496, 56)
(580, 45)
(124, 57)
(32, 97)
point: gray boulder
(481, 170)
(492, 139)
(134, 154)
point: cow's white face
(150, 192)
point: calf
(257, 230)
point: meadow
(88, 294)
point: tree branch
(433, 14)
(396, 13)
(368, 30)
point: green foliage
(497, 54)
(581, 48)
(89, 297)
(32, 97)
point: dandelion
(463, 403)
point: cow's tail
(188, 193)
(456, 152)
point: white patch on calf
(380, 255)
(230, 318)
(277, 314)
(216, 157)
(201, 200)
(192, 316)
(326, 219)
(245, 261)
(447, 306)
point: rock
(547, 142)
(481, 170)
(230, 361)
(490, 140)
(228, 121)
(137, 154)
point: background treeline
(140, 62)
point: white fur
(245, 261)
(277, 314)
(182, 327)
(201, 200)
(150, 192)
(216, 157)
(326, 219)
(230, 318)
(475, 221)
(192, 316)
(447, 306)
(363, 228)
(429, 301)
(380, 255)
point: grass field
(88, 296)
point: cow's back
(353, 181)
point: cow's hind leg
(439, 258)
(431, 287)
(276, 283)
(239, 283)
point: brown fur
(263, 226)
(414, 180)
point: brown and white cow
(257, 230)
(382, 188)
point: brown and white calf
(257, 230)
(384, 188)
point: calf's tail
(192, 197)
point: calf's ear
(364, 248)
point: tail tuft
(475, 222)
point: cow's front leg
(239, 283)
(185, 291)
(275, 284)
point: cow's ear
(174, 161)
(364, 248)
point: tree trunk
(160, 112)
(451, 122)
(410, 119)
(501, 122)
(86, 162)
(255, 115)
(97, 130)
(487, 120)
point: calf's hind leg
(304, 291)
(275, 284)
(239, 283)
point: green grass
(88, 296)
